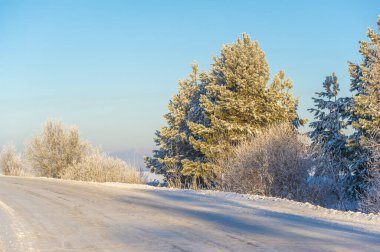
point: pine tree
(367, 100)
(238, 103)
(328, 139)
(173, 139)
(365, 109)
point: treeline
(59, 152)
(234, 129)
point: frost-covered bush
(10, 161)
(370, 200)
(60, 153)
(272, 163)
(99, 167)
(327, 184)
(55, 149)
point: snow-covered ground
(39, 214)
(153, 178)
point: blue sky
(110, 67)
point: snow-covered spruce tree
(329, 143)
(238, 103)
(173, 140)
(365, 109)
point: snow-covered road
(38, 214)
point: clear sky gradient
(110, 67)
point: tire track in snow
(13, 235)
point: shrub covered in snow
(99, 167)
(55, 149)
(60, 153)
(272, 163)
(370, 202)
(10, 161)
